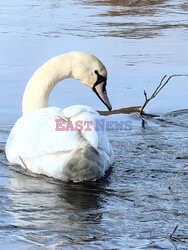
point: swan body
(35, 143)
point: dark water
(131, 207)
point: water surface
(131, 207)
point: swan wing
(36, 144)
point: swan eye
(100, 78)
(104, 88)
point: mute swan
(34, 142)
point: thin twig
(171, 238)
(23, 162)
(157, 90)
(154, 93)
(171, 235)
(177, 239)
(177, 175)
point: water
(131, 207)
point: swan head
(90, 71)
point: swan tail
(85, 163)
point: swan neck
(42, 82)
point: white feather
(35, 144)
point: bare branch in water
(171, 235)
(152, 96)
(177, 175)
(177, 238)
(128, 110)
(161, 85)
(171, 238)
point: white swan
(34, 143)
